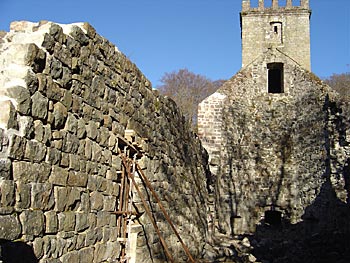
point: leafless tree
(341, 83)
(188, 89)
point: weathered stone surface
(86, 254)
(17, 147)
(58, 176)
(35, 151)
(8, 116)
(51, 222)
(5, 168)
(7, 192)
(64, 144)
(81, 222)
(22, 97)
(60, 114)
(42, 197)
(10, 227)
(96, 201)
(32, 222)
(77, 179)
(39, 106)
(66, 221)
(23, 195)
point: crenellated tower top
(286, 28)
(304, 4)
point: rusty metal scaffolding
(130, 168)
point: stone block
(111, 249)
(8, 115)
(112, 174)
(61, 198)
(42, 197)
(96, 201)
(39, 131)
(10, 227)
(53, 156)
(53, 91)
(63, 54)
(78, 34)
(100, 253)
(92, 130)
(70, 143)
(58, 176)
(60, 114)
(103, 218)
(32, 222)
(71, 124)
(38, 244)
(40, 106)
(71, 257)
(66, 221)
(7, 193)
(35, 58)
(117, 162)
(23, 171)
(56, 32)
(81, 221)
(74, 199)
(86, 255)
(22, 97)
(51, 222)
(35, 151)
(64, 163)
(5, 169)
(77, 179)
(23, 196)
(81, 129)
(88, 149)
(26, 126)
(91, 237)
(85, 202)
(74, 162)
(109, 203)
(17, 147)
(81, 240)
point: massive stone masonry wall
(67, 95)
(278, 150)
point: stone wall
(278, 151)
(68, 97)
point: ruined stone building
(96, 166)
(276, 135)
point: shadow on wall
(16, 252)
(322, 237)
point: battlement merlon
(304, 4)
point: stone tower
(286, 28)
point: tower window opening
(273, 217)
(275, 78)
(275, 29)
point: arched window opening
(275, 77)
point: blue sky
(200, 35)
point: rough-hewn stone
(62, 134)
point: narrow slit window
(275, 77)
(276, 32)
